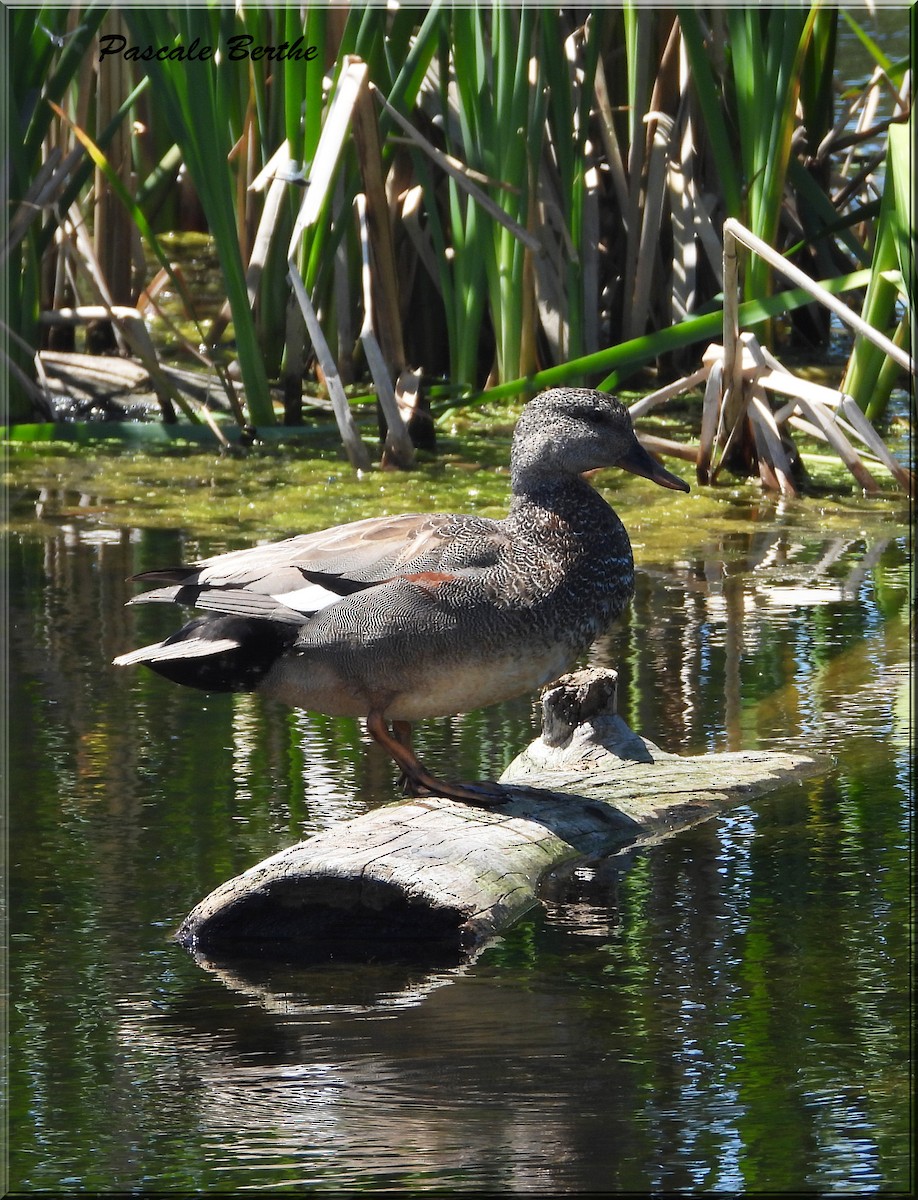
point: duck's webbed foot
(485, 793)
(416, 780)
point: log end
(319, 917)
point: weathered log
(434, 873)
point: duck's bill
(639, 462)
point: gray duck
(401, 618)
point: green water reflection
(725, 1011)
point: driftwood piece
(433, 872)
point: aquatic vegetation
(543, 195)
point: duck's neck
(569, 497)
(566, 531)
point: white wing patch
(307, 599)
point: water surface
(724, 1011)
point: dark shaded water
(727, 1010)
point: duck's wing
(292, 579)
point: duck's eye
(593, 416)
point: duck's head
(570, 431)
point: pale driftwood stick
(763, 419)
(676, 388)
(710, 417)
(839, 443)
(844, 406)
(130, 323)
(732, 400)
(331, 144)
(398, 448)
(434, 872)
(863, 429)
(376, 219)
(84, 313)
(350, 436)
(461, 173)
(734, 230)
(667, 447)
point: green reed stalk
(398, 53)
(504, 83)
(766, 104)
(568, 107)
(627, 357)
(890, 301)
(39, 69)
(512, 34)
(204, 119)
(764, 57)
(460, 243)
(891, 277)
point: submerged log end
(424, 872)
(296, 907)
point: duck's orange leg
(398, 745)
(401, 731)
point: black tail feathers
(216, 654)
